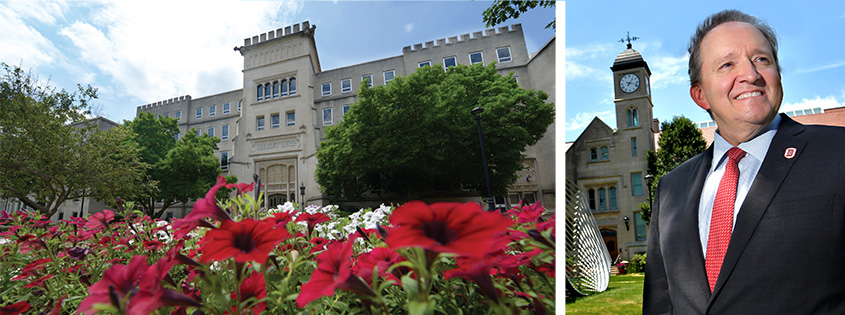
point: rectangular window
(449, 62)
(290, 119)
(169, 216)
(226, 108)
(327, 116)
(504, 54)
(602, 199)
(259, 123)
(61, 215)
(637, 184)
(594, 154)
(199, 113)
(224, 161)
(211, 131)
(388, 75)
(274, 121)
(591, 195)
(476, 57)
(212, 110)
(239, 105)
(176, 136)
(166, 114)
(368, 79)
(327, 89)
(75, 214)
(639, 226)
(423, 64)
(178, 115)
(345, 109)
(634, 146)
(224, 132)
(612, 193)
(292, 86)
(345, 85)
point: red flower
(253, 286)
(243, 188)
(15, 309)
(282, 219)
(312, 219)
(477, 270)
(247, 240)
(464, 229)
(100, 219)
(382, 258)
(527, 214)
(203, 208)
(153, 245)
(34, 268)
(38, 282)
(333, 272)
(319, 244)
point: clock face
(629, 83)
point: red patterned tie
(721, 222)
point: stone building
(273, 126)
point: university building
(610, 164)
(273, 126)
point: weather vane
(629, 39)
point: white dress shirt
(755, 151)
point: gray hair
(715, 20)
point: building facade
(273, 126)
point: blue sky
(138, 52)
(812, 53)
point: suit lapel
(692, 240)
(769, 179)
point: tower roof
(629, 59)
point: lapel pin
(789, 153)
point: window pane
(424, 63)
(475, 58)
(267, 91)
(224, 133)
(630, 119)
(345, 109)
(274, 121)
(504, 54)
(636, 118)
(199, 113)
(327, 116)
(636, 184)
(260, 92)
(284, 88)
(449, 62)
(612, 192)
(346, 85)
(593, 154)
(292, 86)
(226, 108)
(291, 119)
(634, 146)
(639, 226)
(259, 124)
(211, 131)
(212, 110)
(327, 89)
(388, 75)
(602, 199)
(367, 78)
(592, 197)
(604, 155)
(179, 115)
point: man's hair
(715, 20)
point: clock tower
(632, 93)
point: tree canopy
(679, 141)
(181, 170)
(502, 10)
(45, 159)
(417, 134)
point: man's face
(740, 83)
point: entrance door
(610, 241)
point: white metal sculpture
(587, 259)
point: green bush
(637, 263)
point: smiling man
(755, 224)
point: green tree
(679, 141)
(502, 10)
(181, 170)
(417, 134)
(45, 160)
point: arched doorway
(609, 236)
(279, 183)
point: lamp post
(477, 112)
(648, 179)
(626, 223)
(302, 196)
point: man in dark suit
(755, 224)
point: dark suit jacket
(787, 251)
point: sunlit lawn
(624, 295)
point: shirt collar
(756, 147)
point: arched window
(612, 193)
(292, 86)
(260, 93)
(592, 197)
(267, 91)
(602, 199)
(284, 88)
(275, 89)
(604, 154)
(633, 117)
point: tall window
(640, 227)
(176, 136)
(602, 199)
(199, 113)
(290, 119)
(267, 91)
(388, 76)
(212, 110)
(612, 193)
(449, 62)
(178, 115)
(345, 85)
(275, 89)
(423, 64)
(594, 154)
(636, 184)
(292, 86)
(633, 117)
(226, 108)
(224, 132)
(284, 87)
(326, 88)
(259, 123)
(476, 57)
(224, 161)
(260, 91)
(591, 195)
(274, 121)
(239, 105)
(327, 116)
(345, 109)
(604, 154)
(368, 79)
(634, 146)
(211, 131)
(504, 54)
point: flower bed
(229, 257)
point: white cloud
(409, 27)
(824, 103)
(583, 119)
(668, 70)
(824, 67)
(20, 43)
(42, 11)
(593, 51)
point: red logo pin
(789, 153)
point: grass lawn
(624, 295)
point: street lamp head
(302, 188)
(477, 111)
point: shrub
(637, 263)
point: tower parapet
(166, 102)
(296, 29)
(464, 38)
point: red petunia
(333, 272)
(282, 219)
(312, 219)
(100, 219)
(253, 286)
(38, 282)
(204, 208)
(247, 240)
(15, 309)
(526, 214)
(243, 188)
(461, 228)
(319, 244)
(382, 258)
(478, 271)
(34, 268)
